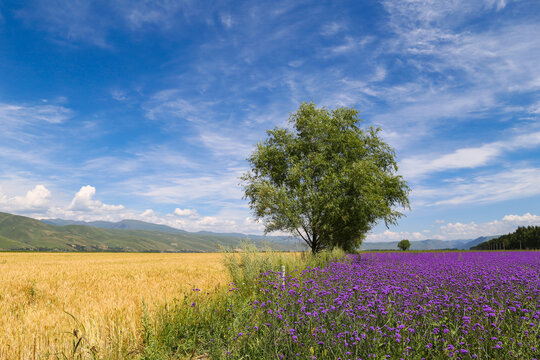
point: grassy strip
(208, 324)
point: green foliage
(205, 324)
(524, 238)
(404, 244)
(326, 180)
(201, 324)
(246, 265)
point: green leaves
(324, 179)
(404, 244)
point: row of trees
(525, 237)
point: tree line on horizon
(524, 238)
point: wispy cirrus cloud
(461, 73)
(170, 106)
(466, 158)
(29, 134)
(497, 186)
(220, 187)
(71, 21)
(92, 22)
(332, 28)
(17, 115)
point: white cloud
(83, 201)
(170, 105)
(16, 115)
(422, 108)
(497, 4)
(213, 221)
(417, 166)
(162, 14)
(192, 213)
(350, 44)
(83, 206)
(232, 220)
(505, 185)
(215, 188)
(164, 160)
(226, 146)
(295, 63)
(91, 22)
(118, 95)
(525, 219)
(410, 15)
(496, 227)
(331, 28)
(462, 73)
(459, 230)
(37, 198)
(388, 235)
(534, 108)
(148, 213)
(83, 198)
(70, 20)
(226, 19)
(380, 74)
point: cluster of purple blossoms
(461, 305)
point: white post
(283, 274)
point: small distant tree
(324, 179)
(404, 244)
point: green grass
(206, 323)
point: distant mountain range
(124, 224)
(27, 234)
(142, 225)
(429, 244)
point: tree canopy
(404, 244)
(324, 179)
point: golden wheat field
(103, 291)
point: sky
(134, 109)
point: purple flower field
(461, 305)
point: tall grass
(245, 266)
(206, 324)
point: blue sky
(148, 109)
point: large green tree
(324, 179)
